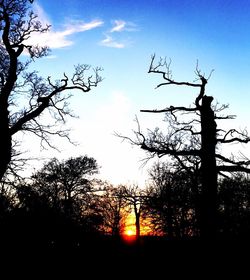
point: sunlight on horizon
(130, 228)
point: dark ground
(106, 257)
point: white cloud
(110, 42)
(121, 25)
(79, 26)
(90, 25)
(118, 26)
(51, 57)
(59, 38)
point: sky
(121, 36)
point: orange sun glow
(129, 232)
(130, 229)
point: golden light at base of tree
(130, 228)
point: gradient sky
(121, 36)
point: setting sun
(129, 235)
(129, 232)
(130, 228)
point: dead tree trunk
(208, 171)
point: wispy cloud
(121, 25)
(60, 38)
(42, 16)
(118, 26)
(79, 26)
(110, 42)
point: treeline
(63, 204)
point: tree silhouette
(194, 138)
(112, 206)
(54, 207)
(170, 202)
(68, 182)
(135, 197)
(19, 86)
(234, 207)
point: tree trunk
(5, 146)
(137, 224)
(208, 228)
(170, 222)
(116, 225)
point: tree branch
(231, 132)
(45, 99)
(169, 151)
(232, 168)
(236, 163)
(170, 109)
(167, 75)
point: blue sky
(121, 36)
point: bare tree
(135, 198)
(193, 134)
(112, 205)
(18, 86)
(171, 201)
